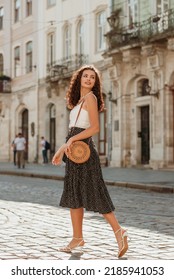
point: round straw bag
(80, 152)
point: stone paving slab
(35, 237)
(34, 227)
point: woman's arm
(90, 105)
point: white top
(20, 143)
(43, 144)
(83, 119)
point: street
(32, 226)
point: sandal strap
(118, 230)
(78, 238)
(123, 234)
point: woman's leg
(112, 220)
(118, 231)
(77, 225)
(77, 221)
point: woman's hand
(68, 146)
(57, 158)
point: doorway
(25, 130)
(52, 130)
(145, 143)
(102, 135)
(173, 121)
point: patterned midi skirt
(83, 183)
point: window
(101, 26)
(1, 17)
(51, 48)
(17, 62)
(161, 14)
(16, 10)
(132, 13)
(1, 64)
(162, 6)
(80, 38)
(67, 43)
(51, 3)
(29, 57)
(28, 8)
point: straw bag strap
(79, 112)
(78, 117)
(83, 100)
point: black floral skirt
(83, 183)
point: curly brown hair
(73, 93)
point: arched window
(80, 38)
(28, 8)
(17, 62)
(17, 6)
(101, 30)
(1, 17)
(51, 48)
(67, 43)
(29, 57)
(162, 7)
(132, 13)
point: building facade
(141, 72)
(131, 42)
(41, 44)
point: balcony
(5, 84)
(154, 29)
(64, 68)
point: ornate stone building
(131, 42)
(140, 66)
(41, 44)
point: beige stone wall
(155, 64)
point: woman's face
(88, 79)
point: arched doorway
(144, 123)
(25, 130)
(102, 137)
(169, 94)
(52, 125)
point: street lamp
(111, 99)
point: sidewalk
(140, 178)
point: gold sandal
(124, 242)
(69, 249)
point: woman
(84, 186)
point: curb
(140, 186)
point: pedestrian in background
(20, 144)
(14, 150)
(44, 150)
(84, 186)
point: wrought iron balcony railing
(63, 69)
(153, 29)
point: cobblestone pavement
(32, 226)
